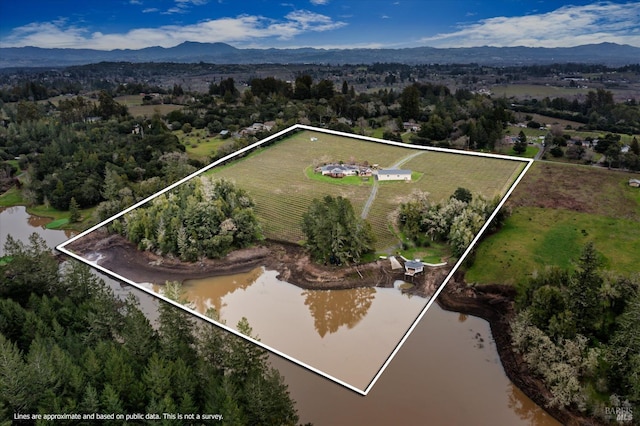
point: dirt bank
(290, 261)
(495, 303)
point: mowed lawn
(557, 209)
(275, 177)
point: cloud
(563, 27)
(183, 6)
(319, 2)
(150, 10)
(241, 29)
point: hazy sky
(134, 24)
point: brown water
(347, 334)
(447, 372)
(15, 221)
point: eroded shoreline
(291, 262)
(494, 303)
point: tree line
(69, 345)
(456, 220)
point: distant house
(634, 183)
(394, 174)
(410, 126)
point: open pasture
(275, 177)
(137, 108)
(557, 208)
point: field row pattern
(276, 180)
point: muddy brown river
(447, 373)
(346, 334)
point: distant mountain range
(220, 53)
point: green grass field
(199, 144)
(558, 208)
(277, 180)
(13, 197)
(58, 223)
(137, 109)
(529, 153)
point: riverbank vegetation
(69, 345)
(96, 145)
(203, 217)
(456, 220)
(578, 331)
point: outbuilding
(413, 267)
(394, 174)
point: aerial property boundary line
(63, 247)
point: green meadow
(557, 209)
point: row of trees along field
(456, 220)
(69, 345)
(578, 331)
(200, 218)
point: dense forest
(578, 331)
(68, 345)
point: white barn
(394, 174)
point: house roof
(394, 172)
(413, 264)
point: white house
(394, 174)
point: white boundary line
(62, 247)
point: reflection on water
(347, 334)
(210, 292)
(439, 377)
(332, 309)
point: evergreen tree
(520, 146)
(74, 212)
(583, 290)
(334, 233)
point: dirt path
(374, 189)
